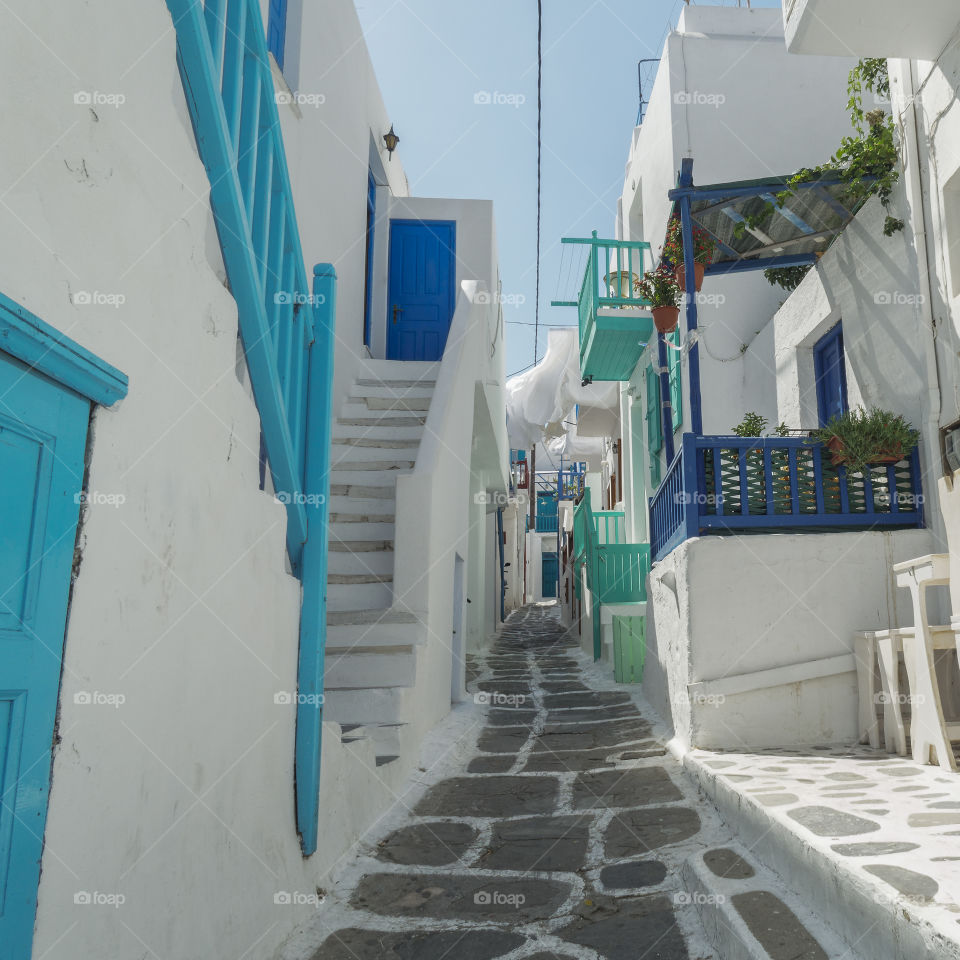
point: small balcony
(616, 571)
(776, 484)
(870, 28)
(544, 523)
(614, 320)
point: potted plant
(659, 288)
(704, 247)
(860, 437)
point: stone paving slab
(867, 817)
(538, 845)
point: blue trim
(765, 263)
(368, 271)
(666, 414)
(720, 192)
(46, 350)
(313, 614)
(693, 355)
(277, 30)
(828, 354)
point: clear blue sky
(433, 57)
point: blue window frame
(368, 272)
(277, 30)
(829, 367)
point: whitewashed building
(738, 620)
(186, 403)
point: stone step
(374, 628)
(370, 669)
(362, 491)
(358, 596)
(396, 370)
(369, 392)
(358, 526)
(360, 546)
(390, 402)
(378, 562)
(365, 576)
(355, 412)
(748, 913)
(388, 466)
(341, 476)
(393, 388)
(374, 428)
(350, 510)
(860, 908)
(374, 705)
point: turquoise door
(43, 431)
(550, 571)
(421, 290)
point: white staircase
(371, 636)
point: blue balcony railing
(547, 523)
(719, 484)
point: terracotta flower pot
(838, 455)
(665, 319)
(698, 271)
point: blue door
(277, 30)
(550, 571)
(421, 291)
(830, 370)
(43, 431)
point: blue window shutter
(676, 385)
(277, 30)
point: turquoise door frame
(47, 384)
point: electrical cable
(536, 311)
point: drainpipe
(925, 256)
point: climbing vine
(867, 162)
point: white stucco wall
(729, 95)
(183, 603)
(724, 607)
(869, 283)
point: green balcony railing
(611, 341)
(616, 572)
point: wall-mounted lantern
(391, 140)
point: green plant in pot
(861, 437)
(659, 288)
(704, 248)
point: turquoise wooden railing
(225, 69)
(615, 572)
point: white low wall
(723, 609)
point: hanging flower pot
(665, 319)
(698, 271)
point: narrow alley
(570, 832)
